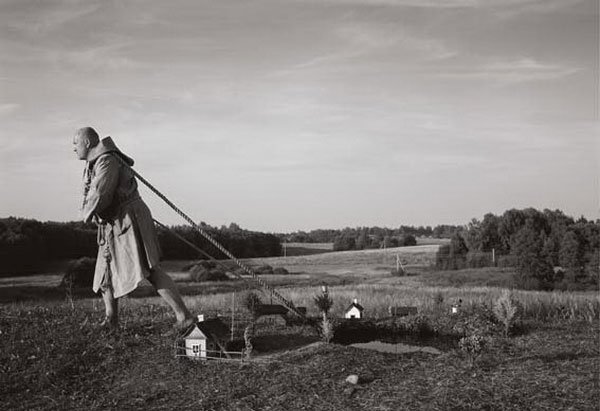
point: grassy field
(53, 355)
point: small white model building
(205, 338)
(354, 310)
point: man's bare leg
(111, 307)
(166, 288)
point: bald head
(85, 139)
(89, 134)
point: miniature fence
(197, 354)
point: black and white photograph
(299, 205)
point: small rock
(349, 391)
(352, 379)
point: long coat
(128, 244)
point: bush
(264, 269)
(507, 310)
(473, 347)
(326, 329)
(323, 302)
(417, 324)
(452, 256)
(280, 270)
(252, 302)
(79, 273)
(407, 240)
(475, 319)
(207, 271)
(479, 260)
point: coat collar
(105, 146)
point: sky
(284, 115)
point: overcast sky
(285, 115)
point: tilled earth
(57, 358)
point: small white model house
(205, 338)
(456, 307)
(354, 310)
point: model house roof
(357, 305)
(211, 328)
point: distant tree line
(548, 249)
(27, 245)
(360, 238)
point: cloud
(509, 72)
(352, 44)
(9, 108)
(520, 5)
(38, 18)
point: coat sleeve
(102, 187)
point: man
(128, 245)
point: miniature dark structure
(275, 313)
(401, 311)
(354, 310)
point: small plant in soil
(507, 311)
(251, 302)
(324, 303)
(473, 347)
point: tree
(362, 239)
(343, 242)
(452, 256)
(533, 270)
(407, 240)
(572, 258)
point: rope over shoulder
(286, 303)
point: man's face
(81, 147)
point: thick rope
(286, 303)
(199, 250)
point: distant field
(363, 262)
(315, 246)
(295, 249)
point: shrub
(323, 302)
(452, 256)
(79, 273)
(206, 271)
(507, 310)
(407, 240)
(476, 319)
(206, 264)
(326, 329)
(417, 324)
(251, 302)
(479, 260)
(280, 270)
(472, 346)
(397, 273)
(438, 301)
(264, 269)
